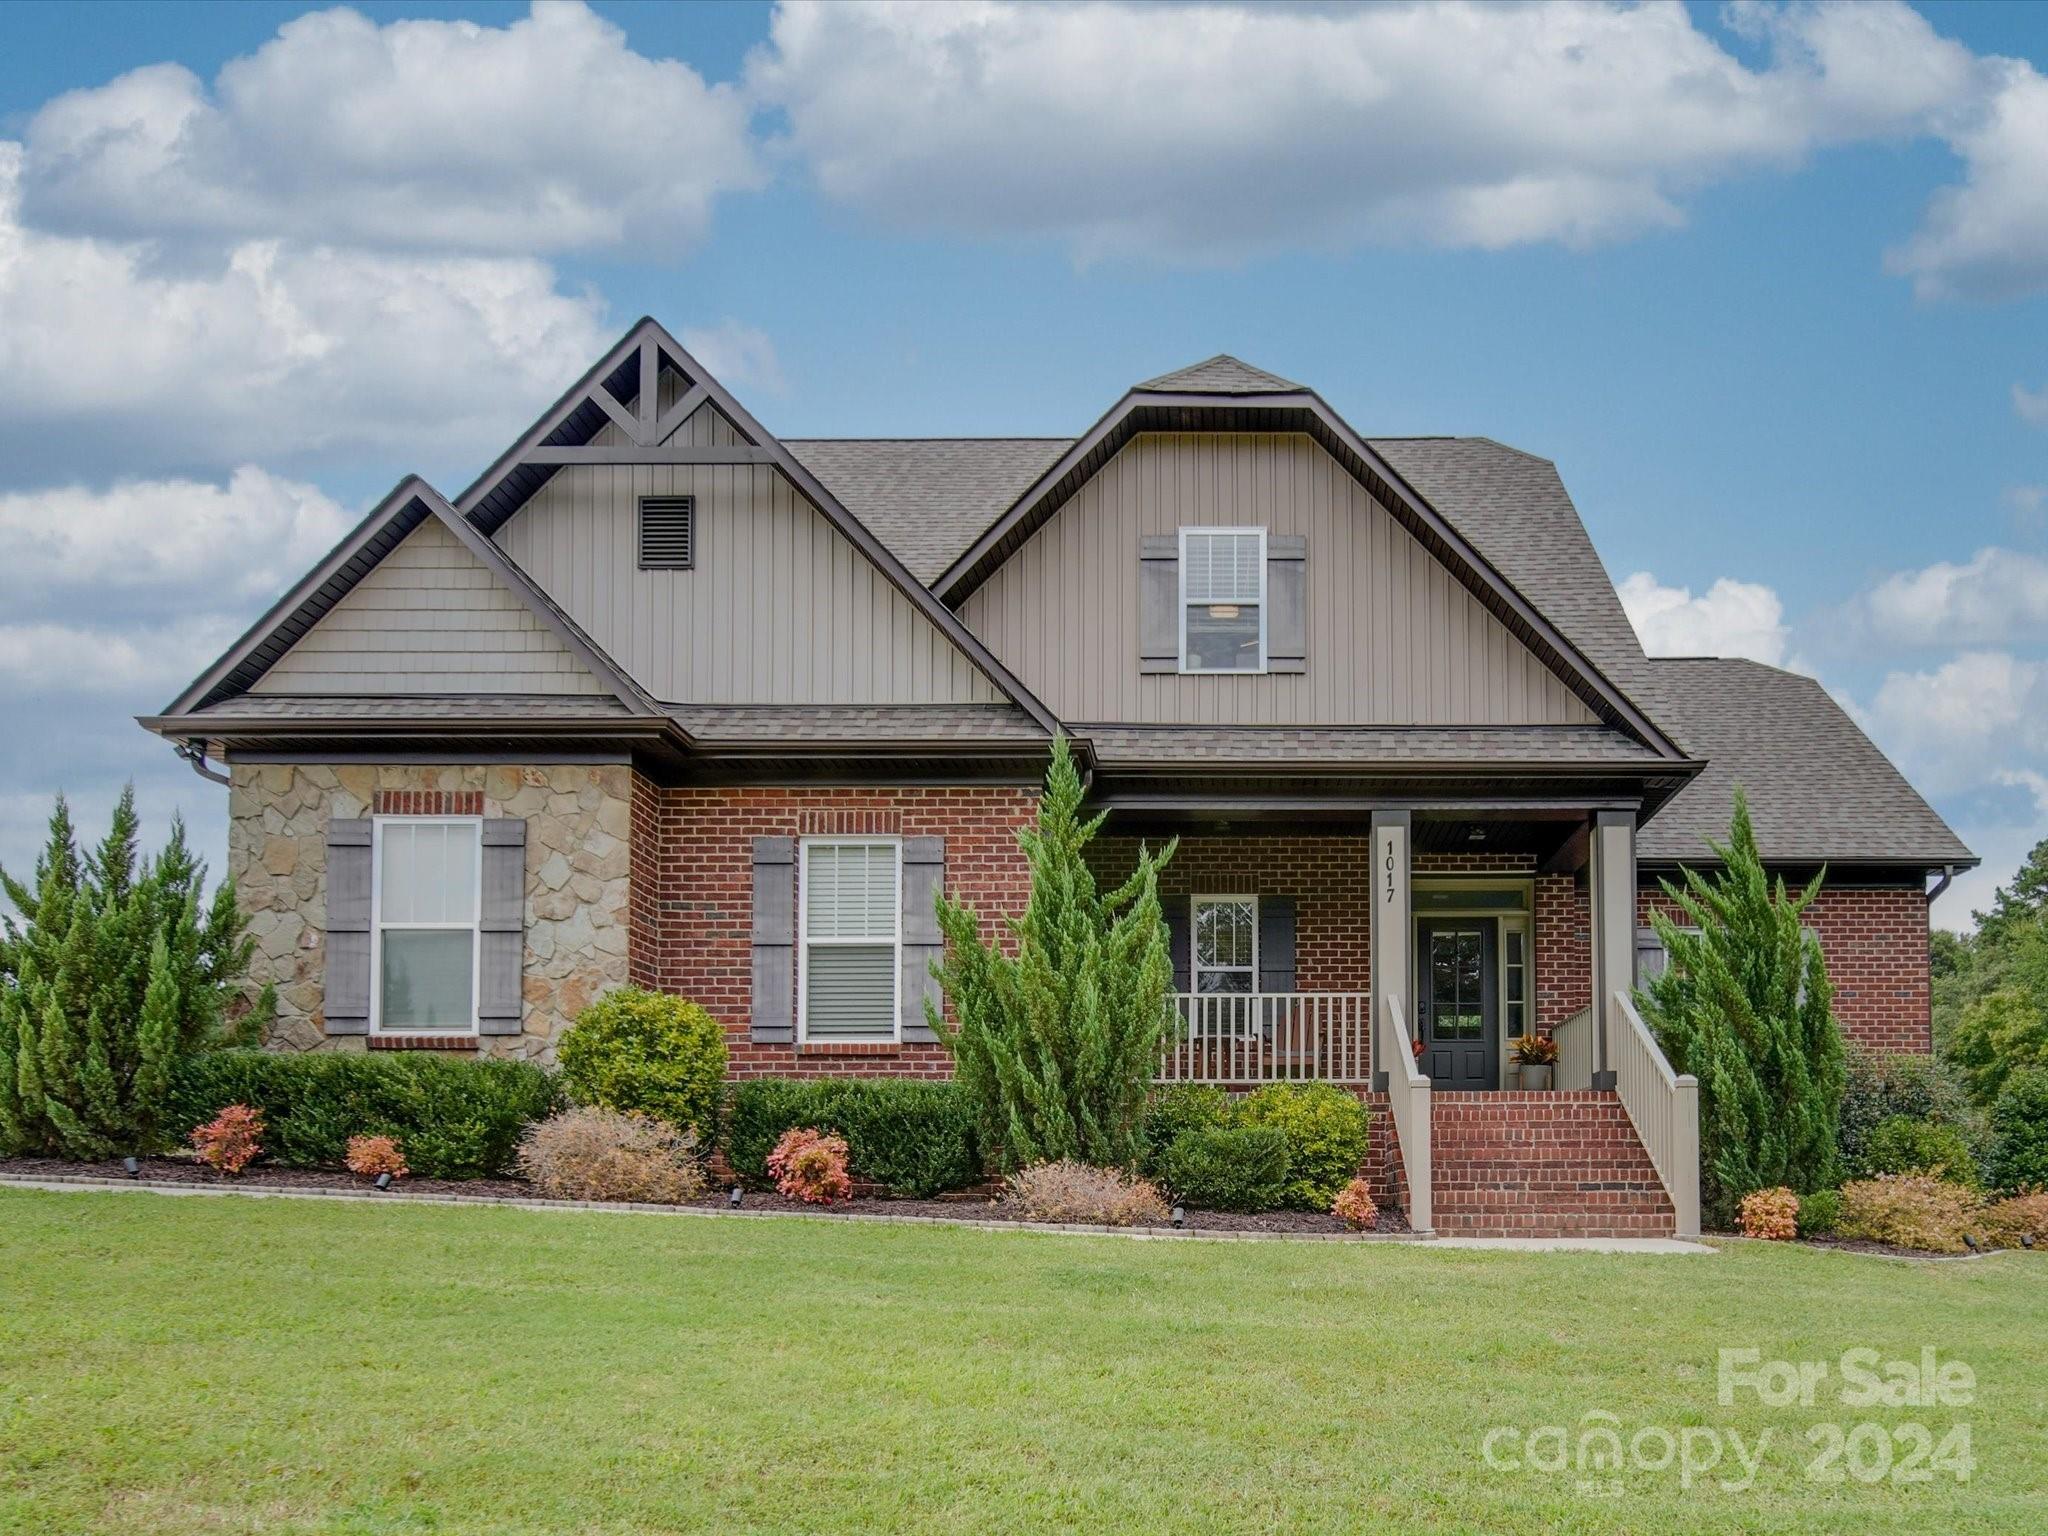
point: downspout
(194, 752)
(1948, 875)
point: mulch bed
(969, 1207)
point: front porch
(1400, 957)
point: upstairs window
(1223, 599)
(851, 898)
(668, 533)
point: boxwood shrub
(914, 1138)
(1228, 1168)
(1327, 1137)
(647, 1053)
(454, 1118)
(1175, 1111)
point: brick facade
(1875, 941)
(693, 896)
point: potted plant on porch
(1536, 1055)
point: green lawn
(281, 1365)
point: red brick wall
(1564, 950)
(1875, 941)
(693, 894)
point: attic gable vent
(668, 533)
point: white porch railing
(1408, 1102)
(1268, 1037)
(1664, 1107)
(1574, 1039)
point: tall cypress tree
(1746, 1007)
(1058, 1041)
(108, 976)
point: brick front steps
(1542, 1165)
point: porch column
(1392, 931)
(1613, 882)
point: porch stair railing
(1268, 1037)
(1574, 1039)
(1408, 1102)
(1664, 1107)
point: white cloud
(1731, 618)
(249, 537)
(1217, 132)
(70, 660)
(1955, 726)
(1988, 238)
(275, 349)
(547, 134)
(2000, 597)
(739, 356)
(2031, 405)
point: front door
(1457, 1001)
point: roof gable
(1295, 409)
(411, 504)
(627, 390)
(1220, 375)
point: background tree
(1745, 1006)
(1990, 986)
(110, 973)
(1057, 1043)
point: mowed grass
(284, 1365)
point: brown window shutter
(1286, 603)
(346, 1007)
(501, 962)
(773, 1000)
(1159, 603)
(924, 877)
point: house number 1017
(1390, 869)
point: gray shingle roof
(1220, 375)
(927, 498)
(290, 707)
(1819, 789)
(857, 722)
(1120, 745)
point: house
(663, 698)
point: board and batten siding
(430, 618)
(780, 609)
(1393, 637)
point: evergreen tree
(1746, 1007)
(107, 977)
(1058, 1042)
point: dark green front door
(1457, 1000)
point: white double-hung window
(1226, 943)
(849, 904)
(424, 905)
(1223, 599)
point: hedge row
(914, 1138)
(456, 1119)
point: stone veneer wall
(578, 877)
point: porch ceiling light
(1476, 835)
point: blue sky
(1769, 284)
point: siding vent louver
(668, 533)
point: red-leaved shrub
(809, 1165)
(231, 1140)
(369, 1156)
(1354, 1206)
(1770, 1213)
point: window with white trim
(1224, 952)
(849, 905)
(1223, 599)
(424, 908)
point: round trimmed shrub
(647, 1053)
(1175, 1111)
(1820, 1213)
(1905, 1145)
(1327, 1135)
(1228, 1168)
(2019, 1132)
